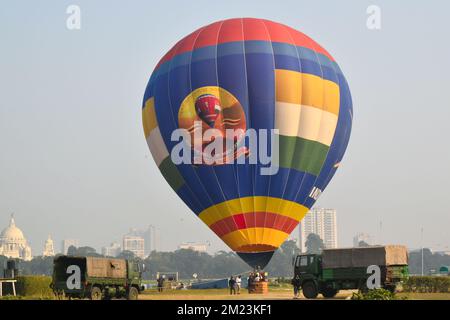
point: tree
(82, 252)
(314, 244)
(126, 254)
(37, 266)
(363, 244)
(281, 263)
(71, 251)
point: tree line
(184, 261)
(221, 264)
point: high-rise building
(48, 251)
(364, 237)
(321, 222)
(66, 243)
(199, 247)
(151, 239)
(112, 250)
(134, 242)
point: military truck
(349, 268)
(96, 278)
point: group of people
(255, 277)
(235, 284)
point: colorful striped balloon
(261, 75)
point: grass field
(425, 296)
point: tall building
(134, 242)
(367, 238)
(199, 247)
(151, 239)
(111, 251)
(48, 251)
(13, 243)
(321, 222)
(66, 243)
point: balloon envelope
(249, 74)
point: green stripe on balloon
(302, 154)
(171, 174)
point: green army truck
(349, 268)
(96, 278)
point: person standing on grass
(159, 282)
(296, 283)
(238, 284)
(232, 285)
(250, 281)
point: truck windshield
(303, 261)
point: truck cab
(135, 270)
(308, 276)
(307, 266)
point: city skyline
(75, 162)
(117, 246)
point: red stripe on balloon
(255, 29)
(253, 220)
(230, 31)
(246, 29)
(184, 45)
(208, 36)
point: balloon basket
(261, 287)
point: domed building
(13, 243)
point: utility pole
(421, 244)
(380, 230)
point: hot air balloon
(249, 74)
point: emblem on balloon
(215, 121)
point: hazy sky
(74, 162)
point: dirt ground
(274, 294)
(223, 294)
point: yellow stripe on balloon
(307, 89)
(228, 208)
(149, 116)
(236, 239)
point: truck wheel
(362, 286)
(309, 289)
(96, 293)
(390, 288)
(329, 292)
(133, 294)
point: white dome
(12, 232)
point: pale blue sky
(74, 161)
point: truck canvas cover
(390, 255)
(106, 268)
